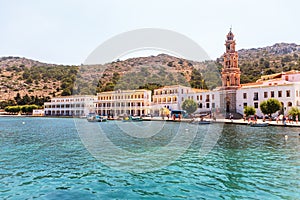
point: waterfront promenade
(189, 120)
(228, 121)
(271, 123)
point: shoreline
(226, 121)
(270, 123)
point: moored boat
(204, 122)
(200, 122)
(96, 118)
(133, 119)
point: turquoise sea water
(44, 158)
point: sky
(66, 32)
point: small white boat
(200, 122)
(262, 124)
(96, 118)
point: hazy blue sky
(61, 31)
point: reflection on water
(45, 158)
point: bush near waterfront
(26, 109)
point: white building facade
(207, 101)
(284, 87)
(70, 106)
(38, 112)
(172, 97)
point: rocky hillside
(38, 80)
(162, 69)
(274, 50)
(33, 78)
(268, 60)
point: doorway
(228, 106)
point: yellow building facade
(123, 102)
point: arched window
(290, 104)
(227, 81)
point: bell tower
(230, 71)
(230, 75)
